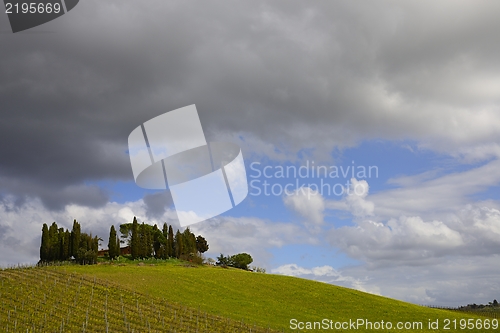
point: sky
(398, 101)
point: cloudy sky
(398, 101)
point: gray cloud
(229, 235)
(4, 229)
(293, 74)
(157, 203)
(53, 196)
(281, 77)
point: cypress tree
(112, 250)
(157, 242)
(75, 239)
(192, 241)
(118, 251)
(66, 244)
(53, 242)
(44, 247)
(143, 252)
(95, 249)
(164, 230)
(134, 240)
(84, 242)
(189, 242)
(166, 251)
(149, 241)
(60, 239)
(179, 246)
(170, 243)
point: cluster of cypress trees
(145, 241)
(148, 241)
(60, 245)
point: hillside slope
(52, 300)
(268, 299)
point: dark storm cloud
(157, 203)
(4, 229)
(293, 74)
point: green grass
(264, 299)
(52, 300)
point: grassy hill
(172, 297)
(53, 300)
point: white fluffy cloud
(407, 240)
(20, 229)
(21, 225)
(421, 221)
(421, 242)
(230, 235)
(309, 204)
(354, 199)
(426, 218)
(326, 274)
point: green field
(155, 298)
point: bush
(240, 260)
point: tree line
(475, 306)
(148, 241)
(145, 241)
(61, 245)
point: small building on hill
(123, 251)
